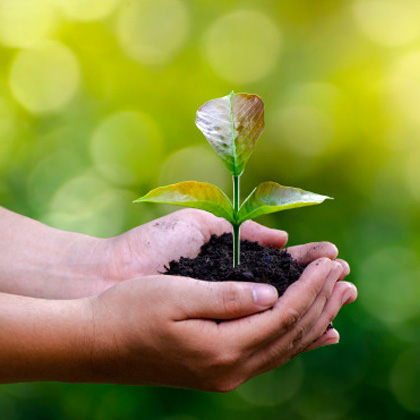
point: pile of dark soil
(258, 264)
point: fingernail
(336, 267)
(348, 295)
(346, 266)
(264, 295)
(333, 338)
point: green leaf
(199, 195)
(270, 197)
(232, 125)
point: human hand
(137, 321)
(147, 249)
(161, 330)
(43, 262)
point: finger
(313, 314)
(330, 336)
(350, 295)
(250, 230)
(288, 345)
(346, 268)
(305, 254)
(292, 339)
(220, 300)
(209, 224)
(344, 293)
(256, 331)
(253, 368)
(264, 235)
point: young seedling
(232, 125)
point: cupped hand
(162, 330)
(147, 249)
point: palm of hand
(147, 249)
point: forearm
(40, 261)
(44, 340)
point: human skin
(40, 261)
(81, 309)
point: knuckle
(290, 318)
(325, 295)
(221, 371)
(323, 261)
(219, 360)
(298, 337)
(230, 298)
(190, 215)
(189, 212)
(313, 290)
(225, 360)
(299, 347)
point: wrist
(87, 265)
(45, 340)
(41, 261)
(109, 354)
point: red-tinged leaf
(232, 125)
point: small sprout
(232, 125)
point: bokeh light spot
(404, 379)
(197, 163)
(48, 176)
(402, 88)
(86, 10)
(389, 284)
(152, 31)
(45, 77)
(126, 148)
(317, 404)
(87, 204)
(274, 387)
(243, 46)
(388, 22)
(303, 129)
(23, 22)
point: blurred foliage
(97, 106)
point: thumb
(226, 300)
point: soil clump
(258, 264)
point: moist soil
(258, 264)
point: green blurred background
(97, 106)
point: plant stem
(236, 244)
(236, 227)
